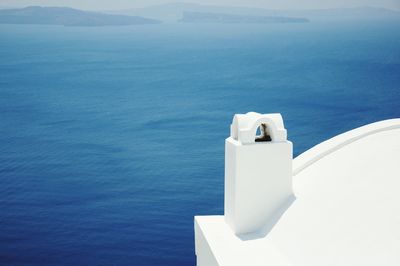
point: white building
(336, 204)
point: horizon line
(210, 5)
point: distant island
(173, 12)
(68, 17)
(189, 13)
(206, 17)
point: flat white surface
(258, 182)
(346, 212)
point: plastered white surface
(346, 211)
(258, 175)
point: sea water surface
(112, 138)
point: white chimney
(258, 171)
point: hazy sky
(123, 4)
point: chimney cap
(244, 127)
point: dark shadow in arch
(264, 135)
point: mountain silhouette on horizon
(68, 17)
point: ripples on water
(112, 139)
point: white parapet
(347, 202)
(258, 171)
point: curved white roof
(346, 211)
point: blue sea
(112, 138)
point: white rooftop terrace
(346, 209)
